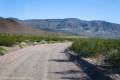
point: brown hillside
(11, 26)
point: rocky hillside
(93, 28)
(15, 26)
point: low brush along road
(40, 62)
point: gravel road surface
(40, 62)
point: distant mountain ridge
(16, 26)
(95, 28)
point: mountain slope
(14, 26)
(93, 28)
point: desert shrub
(2, 50)
(10, 40)
(91, 47)
(22, 44)
(7, 40)
(85, 48)
(43, 42)
(113, 57)
(109, 48)
(34, 43)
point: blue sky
(108, 10)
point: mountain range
(94, 28)
(71, 26)
(16, 26)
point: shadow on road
(91, 70)
(59, 60)
(74, 78)
(69, 74)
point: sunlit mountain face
(95, 28)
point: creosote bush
(113, 57)
(110, 48)
(2, 50)
(10, 40)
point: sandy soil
(40, 62)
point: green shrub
(2, 50)
(94, 46)
(43, 42)
(10, 40)
(113, 57)
(109, 48)
(7, 41)
(22, 44)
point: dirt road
(40, 62)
